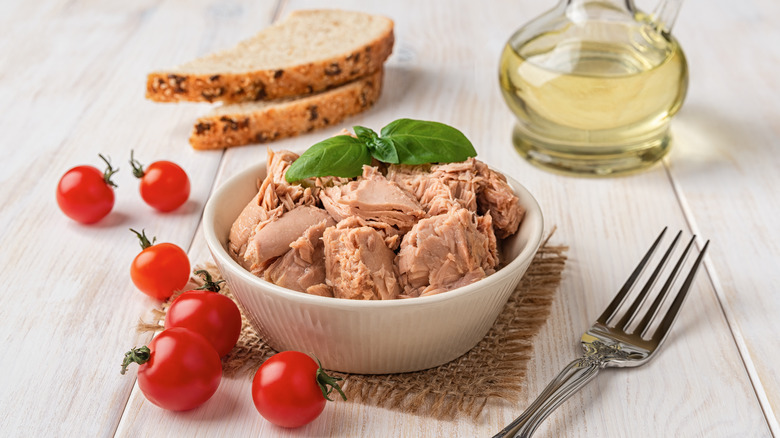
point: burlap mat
(494, 369)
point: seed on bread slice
(307, 52)
(260, 122)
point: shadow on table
(707, 141)
(114, 219)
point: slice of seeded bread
(259, 122)
(309, 51)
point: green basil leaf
(366, 135)
(384, 150)
(342, 155)
(380, 148)
(421, 142)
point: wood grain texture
(75, 88)
(726, 167)
(450, 77)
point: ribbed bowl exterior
(375, 337)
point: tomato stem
(136, 355)
(145, 243)
(109, 172)
(138, 168)
(209, 283)
(324, 380)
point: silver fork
(612, 344)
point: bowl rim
(219, 251)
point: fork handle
(573, 377)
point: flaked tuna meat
(498, 198)
(471, 183)
(274, 197)
(437, 186)
(438, 198)
(409, 178)
(485, 226)
(273, 237)
(243, 227)
(441, 252)
(321, 289)
(433, 195)
(462, 179)
(397, 231)
(303, 265)
(467, 279)
(374, 198)
(275, 191)
(391, 235)
(358, 264)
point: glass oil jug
(594, 84)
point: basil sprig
(341, 155)
(403, 141)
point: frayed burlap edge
(494, 369)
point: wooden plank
(76, 88)
(726, 166)
(444, 68)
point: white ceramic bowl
(369, 337)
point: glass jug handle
(665, 14)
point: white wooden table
(72, 78)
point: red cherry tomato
(290, 389)
(161, 269)
(85, 194)
(164, 185)
(208, 313)
(178, 371)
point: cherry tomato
(159, 270)
(208, 313)
(164, 185)
(178, 371)
(290, 389)
(85, 194)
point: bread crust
(302, 79)
(288, 118)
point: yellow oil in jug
(594, 107)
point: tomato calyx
(139, 355)
(209, 283)
(109, 172)
(144, 241)
(328, 383)
(138, 168)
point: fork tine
(653, 311)
(623, 292)
(640, 299)
(674, 309)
